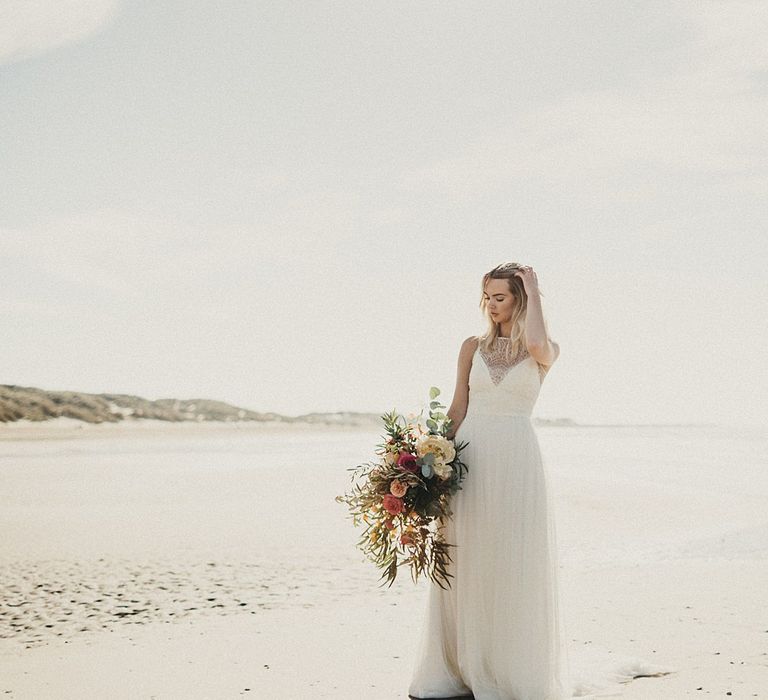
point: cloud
(32, 27)
(705, 116)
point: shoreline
(71, 428)
(63, 428)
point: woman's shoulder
(470, 344)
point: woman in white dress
(496, 633)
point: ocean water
(622, 494)
(630, 494)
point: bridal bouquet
(405, 495)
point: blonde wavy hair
(507, 270)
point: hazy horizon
(289, 208)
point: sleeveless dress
(496, 633)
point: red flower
(393, 504)
(408, 462)
(406, 539)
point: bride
(496, 633)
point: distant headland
(33, 404)
(37, 405)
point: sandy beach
(152, 560)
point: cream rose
(443, 451)
(438, 445)
(442, 470)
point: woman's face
(499, 300)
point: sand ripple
(42, 600)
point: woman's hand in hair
(530, 281)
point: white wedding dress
(496, 633)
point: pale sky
(289, 205)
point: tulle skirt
(497, 632)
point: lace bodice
(498, 364)
(501, 385)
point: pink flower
(408, 462)
(398, 488)
(393, 504)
